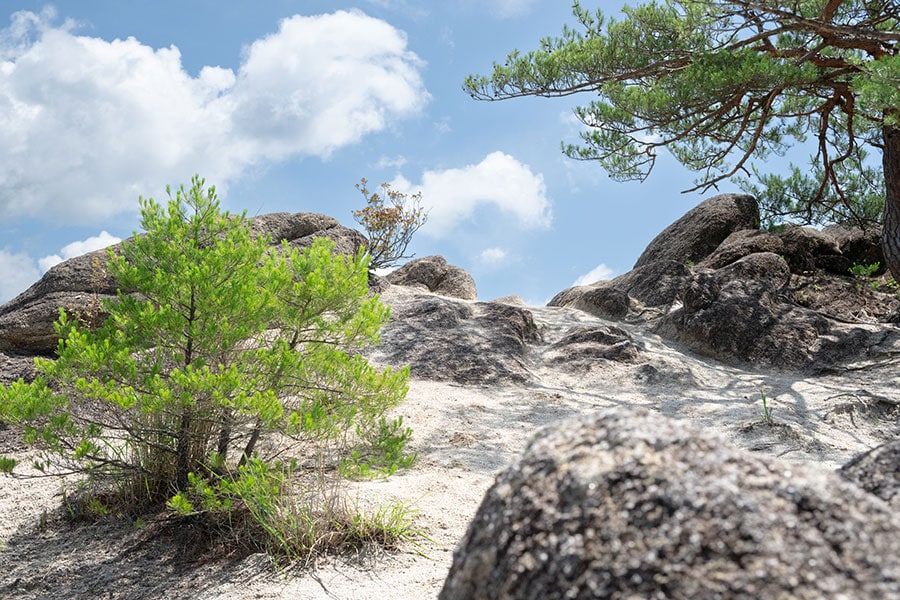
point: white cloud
(596, 274)
(17, 272)
(390, 162)
(86, 125)
(74, 249)
(493, 256)
(451, 196)
(362, 76)
(512, 8)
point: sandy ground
(464, 435)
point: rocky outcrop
(300, 229)
(630, 504)
(740, 244)
(655, 284)
(806, 249)
(700, 231)
(721, 287)
(77, 285)
(80, 284)
(833, 249)
(583, 347)
(445, 339)
(434, 274)
(737, 314)
(857, 247)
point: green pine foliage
(220, 354)
(725, 86)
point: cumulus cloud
(17, 272)
(499, 181)
(493, 256)
(102, 240)
(86, 124)
(596, 274)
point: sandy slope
(464, 435)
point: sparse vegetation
(390, 219)
(864, 271)
(385, 454)
(226, 382)
(767, 410)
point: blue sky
(284, 106)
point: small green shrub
(219, 354)
(862, 271)
(384, 455)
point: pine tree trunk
(890, 238)
(183, 451)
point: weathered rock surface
(700, 231)
(834, 249)
(877, 471)
(737, 314)
(445, 339)
(846, 299)
(581, 348)
(14, 367)
(654, 284)
(806, 249)
(434, 274)
(79, 284)
(740, 244)
(629, 504)
(300, 229)
(716, 284)
(857, 246)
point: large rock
(81, 283)
(857, 247)
(834, 249)
(740, 244)
(654, 284)
(629, 504)
(300, 229)
(78, 285)
(434, 274)
(583, 347)
(806, 249)
(699, 232)
(445, 339)
(737, 315)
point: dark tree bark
(890, 239)
(183, 451)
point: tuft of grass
(262, 507)
(7, 465)
(767, 410)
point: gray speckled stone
(630, 504)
